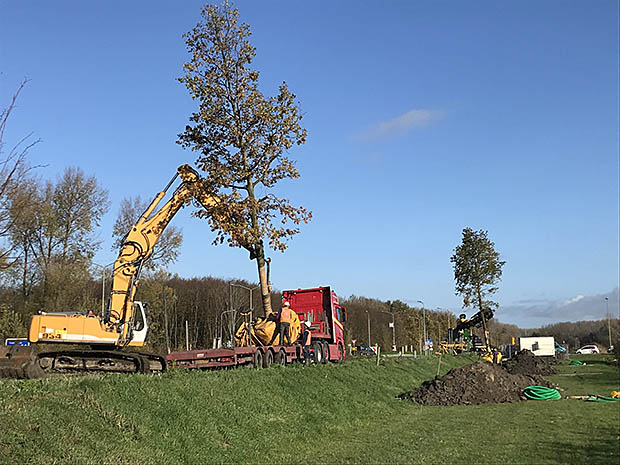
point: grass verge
(344, 413)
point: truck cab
(320, 307)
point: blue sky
(424, 117)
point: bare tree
(166, 249)
(13, 172)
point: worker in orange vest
(285, 323)
(306, 341)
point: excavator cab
(140, 324)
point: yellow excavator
(461, 338)
(97, 340)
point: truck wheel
(325, 352)
(258, 359)
(268, 359)
(281, 357)
(318, 352)
(340, 353)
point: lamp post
(393, 330)
(232, 325)
(608, 320)
(103, 267)
(424, 322)
(368, 317)
(247, 289)
(250, 309)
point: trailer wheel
(258, 359)
(317, 352)
(325, 348)
(281, 357)
(268, 359)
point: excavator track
(25, 363)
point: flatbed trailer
(257, 357)
(318, 305)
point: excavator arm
(139, 243)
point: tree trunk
(262, 279)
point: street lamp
(232, 325)
(368, 317)
(247, 289)
(424, 320)
(250, 309)
(103, 267)
(608, 320)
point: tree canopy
(241, 137)
(477, 269)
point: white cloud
(402, 124)
(573, 300)
(536, 314)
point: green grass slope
(344, 413)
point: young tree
(477, 269)
(241, 137)
(166, 249)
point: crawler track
(25, 363)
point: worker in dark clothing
(306, 340)
(285, 323)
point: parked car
(589, 349)
(364, 350)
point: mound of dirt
(479, 383)
(526, 363)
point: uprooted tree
(477, 269)
(241, 137)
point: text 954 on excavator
(99, 342)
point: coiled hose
(541, 393)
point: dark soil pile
(526, 363)
(479, 383)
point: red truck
(318, 305)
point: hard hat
(286, 304)
(308, 324)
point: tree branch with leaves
(242, 138)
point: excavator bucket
(20, 363)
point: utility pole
(608, 320)
(393, 329)
(424, 320)
(166, 318)
(368, 317)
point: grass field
(344, 413)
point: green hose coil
(576, 362)
(541, 393)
